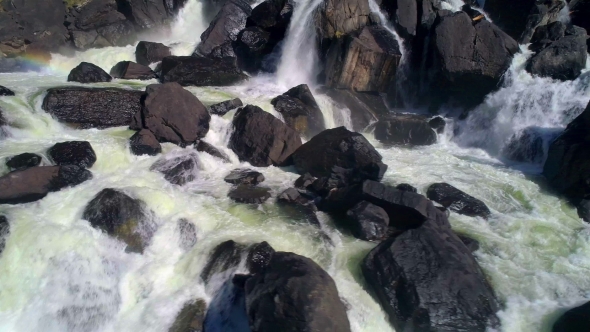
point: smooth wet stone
(244, 176)
(24, 160)
(249, 194)
(79, 153)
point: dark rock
(4, 232)
(227, 310)
(79, 153)
(88, 73)
(300, 205)
(4, 91)
(456, 200)
(147, 53)
(364, 61)
(144, 142)
(251, 47)
(190, 318)
(365, 108)
(189, 70)
(145, 14)
(34, 183)
(409, 129)
(550, 32)
(527, 145)
(300, 110)
(178, 170)
(244, 176)
(438, 124)
(203, 146)
(24, 160)
(406, 187)
(471, 244)
(92, 108)
(295, 196)
(259, 257)
(187, 234)
(121, 216)
(368, 221)
(132, 71)
(427, 280)
(580, 13)
(273, 16)
(335, 18)
(226, 25)
(584, 210)
(222, 108)
(249, 194)
(567, 168)
(294, 294)
(574, 320)
(174, 114)
(261, 139)
(404, 15)
(226, 256)
(304, 181)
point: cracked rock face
(335, 18)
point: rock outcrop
(335, 18)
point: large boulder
(427, 280)
(409, 129)
(335, 18)
(121, 216)
(272, 16)
(132, 71)
(261, 139)
(574, 320)
(34, 183)
(92, 108)
(224, 28)
(251, 48)
(79, 153)
(23, 160)
(456, 200)
(293, 293)
(144, 142)
(567, 167)
(363, 61)
(368, 221)
(469, 59)
(404, 14)
(147, 53)
(198, 71)
(173, 114)
(300, 110)
(87, 72)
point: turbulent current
(57, 273)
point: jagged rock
(189, 70)
(79, 153)
(147, 53)
(299, 284)
(190, 318)
(4, 91)
(297, 197)
(272, 16)
(251, 46)
(203, 146)
(304, 181)
(222, 108)
(132, 71)
(427, 280)
(368, 221)
(300, 110)
(574, 320)
(335, 18)
(22, 161)
(174, 114)
(249, 194)
(4, 232)
(409, 129)
(178, 170)
(226, 25)
(406, 187)
(259, 257)
(121, 216)
(225, 256)
(456, 200)
(438, 124)
(364, 61)
(300, 204)
(261, 139)
(187, 234)
(144, 142)
(365, 107)
(34, 183)
(92, 108)
(244, 176)
(86, 72)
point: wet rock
(34, 183)
(147, 53)
(364, 61)
(79, 153)
(203, 146)
(251, 47)
(261, 139)
(580, 13)
(122, 217)
(527, 145)
(404, 14)
(23, 161)
(187, 234)
(190, 318)
(244, 176)
(409, 129)
(4, 91)
(145, 14)
(365, 107)
(296, 196)
(272, 16)
(300, 110)
(259, 257)
(406, 187)
(226, 256)
(299, 284)
(438, 124)
(144, 142)
(92, 108)
(132, 71)
(227, 310)
(222, 108)
(189, 70)
(249, 194)
(584, 210)
(304, 181)
(574, 320)
(471, 244)
(368, 221)
(4, 232)
(567, 167)
(178, 170)
(88, 73)
(426, 279)
(335, 18)
(299, 204)
(174, 114)
(456, 200)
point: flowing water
(57, 273)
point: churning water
(57, 273)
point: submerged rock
(244, 176)
(456, 200)
(132, 71)
(147, 53)
(144, 142)
(226, 256)
(406, 187)
(261, 139)
(300, 110)
(190, 318)
(203, 146)
(4, 91)
(574, 320)
(222, 108)
(88, 73)
(409, 129)
(179, 170)
(79, 153)
(187, 234)
(92, 108)
(368, 221)
(249, 194)
(22, 161)
(197, 71)
(4, 232)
